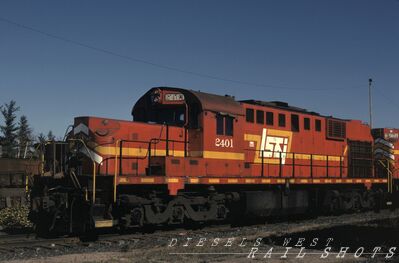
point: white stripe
(384, 142)
(263, 143)
(92, 155)
(81, 128)
(384, 153)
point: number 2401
(225, 143)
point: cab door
(223, 141)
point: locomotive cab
(161, 108)
(212, 127)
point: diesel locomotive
(193, 157)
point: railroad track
(29, 245)
(6, 238)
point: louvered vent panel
(336, 129)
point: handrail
(121, 157)
(116, 168)
(151, 142)
(294, 164)
(389, 175)
(94, 184)
(73, 176)
(94, 168)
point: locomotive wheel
(336, 204)
(348, 202)
(178, 215)
(137, 217)
(89, 232)
(42, 224)
(221, 211)
(368, 200)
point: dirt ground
(214, 246)
(153, 255)
(162, 252)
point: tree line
(17, 139)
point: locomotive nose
(81, 128)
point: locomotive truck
(193, 157)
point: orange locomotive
(190, 156)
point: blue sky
(316, 54)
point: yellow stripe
(123, 180)
(300, 156)
(213, 181)
(223, 155)
(349, 180)
(318, 157)
(266, 180)
(292, 181)
(232, 180)
(334, 158)
(338, 181)
(136, 152)
(194, 180)
(249, 180)
(395, 151)
(103, 223)
(147, 180)
(328, 180)
(345, 150)
(304, 180)
(316, 180)
(358, 180)
(141, 152)
(176, 153)
(173, 180)
(251, 137)
(280, 181)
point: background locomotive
(190, 156)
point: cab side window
(269, 118)
(219, 124)
(224, 125)
(306, 124)
(295, 122)
(249, 113)
(229, 121)
(281, 120)
(260, 119)
(318, 125)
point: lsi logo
(272, 146)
